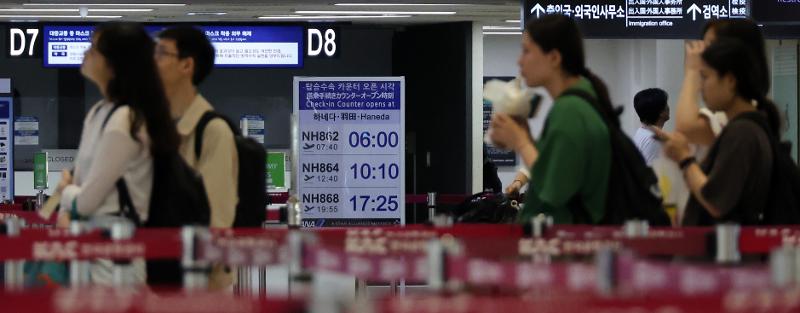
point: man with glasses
(185, 57)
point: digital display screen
(236, 46)
(64, 46)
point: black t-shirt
(739, 168)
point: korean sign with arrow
(639, 18)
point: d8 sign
(350, 151)
(322, 41)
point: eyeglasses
(162, 53)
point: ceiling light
(376, 12)
(500, 28)
(75, 10)
(109, 4)
(205, 13)
(38, 10)
(513, 21)
(401, 4)
(60, 16)
(327, 17)
(120, 10)
(502, 33)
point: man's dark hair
(649, 104)
(192, 43)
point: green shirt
(573, 164)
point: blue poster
(6, 149)
(350, 151)
(26, 131)
(252, 126)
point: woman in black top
(732, 184)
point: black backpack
(252, 206)
(633, 191)
(178, 198)
(783, 200)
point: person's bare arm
(688, 119)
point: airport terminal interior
(399, 156)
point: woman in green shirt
(571, 161)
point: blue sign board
(64, 46)
(350, 151)
(252, 126)
(6, 149)
(236, 46)
(26, 131)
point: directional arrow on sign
(694, 9)
(538, 9)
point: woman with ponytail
(700, 125)
(122, 135)
(572, 159)
(733, 183)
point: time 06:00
(370, 140)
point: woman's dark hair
(750, 34)
(730, 55)
(128, 50)
(560, 33)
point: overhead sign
(64, 46)
(257, 46)
(24, 42)
(236, 46)
(639, 18)
(776, 11)
(350, 167)
(322, 42)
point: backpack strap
(126, 208)
(201, 127)
(126, 204)
(108, 117)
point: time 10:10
(383, 171)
